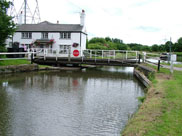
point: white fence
(97, 54)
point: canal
(89, 102)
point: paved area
(175, 68)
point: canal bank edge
(18, 68)
(143, 74)
(31, 67)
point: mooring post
(31, 58)
(139, 58)
(158, 68)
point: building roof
(49, 27)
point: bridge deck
(82, 60)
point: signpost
(76, 53)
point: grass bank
(14, 62)
(161, 112)
(175, 65)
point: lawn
(14, 62)
(161, 112)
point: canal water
(89, 102)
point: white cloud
(144, 21)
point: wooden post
(114, 54)
(158, 68)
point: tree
(155, 47)
(167, 46)
(179, 44)
(97, 40)
(116, 40)
(7, 26)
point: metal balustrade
(92, 54)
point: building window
(64, 49)
(65, 35)
(44, 35)
(26, 35)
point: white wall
(75, 38)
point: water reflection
(88, 102)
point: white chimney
(82, 18)
(20, 18)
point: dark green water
(90, 102)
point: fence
(92, 54)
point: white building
(56, 37)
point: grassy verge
(175, 65)
(178, 53)
(14, 62)
(161, 112)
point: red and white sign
(75, 53)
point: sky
(146, 22)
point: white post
(29, 54)
(136, 55)
(173, 58)
(57, 54)
(90, 53)
(69, 54)
(102, 54)
(114, 54)
(44, 54)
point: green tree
(97, 40)
(167, 46)
(108, 39)
(116, 40)
(122, 46)
(155, 47)
(179, 44)
(7, 26)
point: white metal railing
(27, 55)
(92, 54)
(110, 54)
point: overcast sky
(134, 21)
